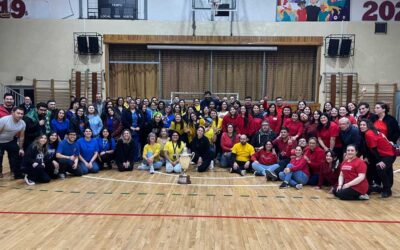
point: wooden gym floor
(219, 210)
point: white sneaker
(151, 169)
(243, 172)
(62, 176)
(364, 197)
(299, 186)
(212, 165)
(29, 182)
(142, 167)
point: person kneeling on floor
(33, 162)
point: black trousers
(241, 167)
(282, 165)
(66, 166)
(121, 167)
(38, 174)
(14, 158)
(347, 194)
(386, 175)
(206, 161)
(105, 159)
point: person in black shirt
(200, 145)
(124, 152)
(312, 11)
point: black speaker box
(93, 45)
(83, 45)
(333, 47)
(222, 7)
(345, 47)
(380, 28)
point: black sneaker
(258, 174)
(20, 176)
(284, 185)
(385, 194)
(271, 175)
(28, 181)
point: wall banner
(312, 10)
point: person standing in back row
(5, 109)
(12, 135)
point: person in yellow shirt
(211, 136)
(193, 125)
(196, 104)
(172, 151)
(178, 125)
(241, 154)
(151, 155)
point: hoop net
(214, 4)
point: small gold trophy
(184, 159)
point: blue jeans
(156, 164)
(136, 140)
(293, 178)
(260, 168)
(85, 170)
(226, 160)
(169, 168)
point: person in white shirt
(12, 135)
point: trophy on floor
(185, 159)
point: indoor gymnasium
(199, 124)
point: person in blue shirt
(106, 146)
(95, 122)
(88, 149)
(60, 124)
(67, 155)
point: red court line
(200, 216)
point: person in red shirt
(258, 117)
(315, 157)
(248, 122)
(273, 119)
(352, 184)
(295, 126)
(381, 156)
(228, 139)
(329, 171)
(311, 129)
(343, 112)
(279, 105)
(327, 133)
(386, 123)
(296, 174)
(284, 146)
(264, 160)
(234, 119)
(286, 114)
(301, 14)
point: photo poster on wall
(312, 10)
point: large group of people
(350, 148)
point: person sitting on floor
(125, 151)
(296, 173)
(151, 155)
(241, 155)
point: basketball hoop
(214, 4)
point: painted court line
(202, 216)
(176, 184)
(209, 178)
